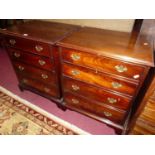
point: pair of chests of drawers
(98, 85)
(34, 65)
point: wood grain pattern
(39, 86)
(28, 45)
(99, 110)
(31, 59)
(36, 73)
(99, 79)
(96, 93)
(42, 31)
(112, 44)
(101, 63)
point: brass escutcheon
(116, 85)
(111, 100)
(17, 55)
(75, 87)
(12, 41)
(75, 72)
(75, 56)
(44, 76)
(41, 62)
(121, 68)
(38, 48)
(107, 114)
(21, 68)
(75, 101)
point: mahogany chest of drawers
(102, 73)
(34, 56)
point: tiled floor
(9, 81)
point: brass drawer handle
(75, 87)
(44, 76)
(38, 48)
(75, 57)
(17, 55)
(121, 68)
(41, 62)
(75, 101)
(75, 72)
(25, 80)
(112, 100)
(47, 90)
(116, 85)
(107, 114)
(12, 41)
(21, 68)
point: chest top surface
(49, 32)
(114, 44)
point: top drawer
(28, 45)
(104, 64)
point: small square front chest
(34, 56)
(102, 73)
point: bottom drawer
(44, 89)
(72, 100)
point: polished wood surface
(36, 73)
(31, 59)
(100, 79)
(49, 32)
(93, 71)
(32, 50)
(92, 107)
(28, 45)
(39, 86)
(98, 64)
(112, 44)
(97, 94)
(104, 64)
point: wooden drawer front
(73, 100)
(96, 93)
(46, 89)
(39, 61)
(99, 79)
(103, 64)
(42, 75)
(28, 45)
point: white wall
(112, 24)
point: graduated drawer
(41, 87)
(28, 45)
(97, 94)
(75, 101)
(36, 60)
(99, 79)
(103, 64)
(36, 73)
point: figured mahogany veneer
(97, 94)
(104, 68)
(78, 102)
(96, 72)
(99, 79)
(41, 87)
(35, 57)
(35, 60)
(36, 73)
(28, 45)
(104, 64)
